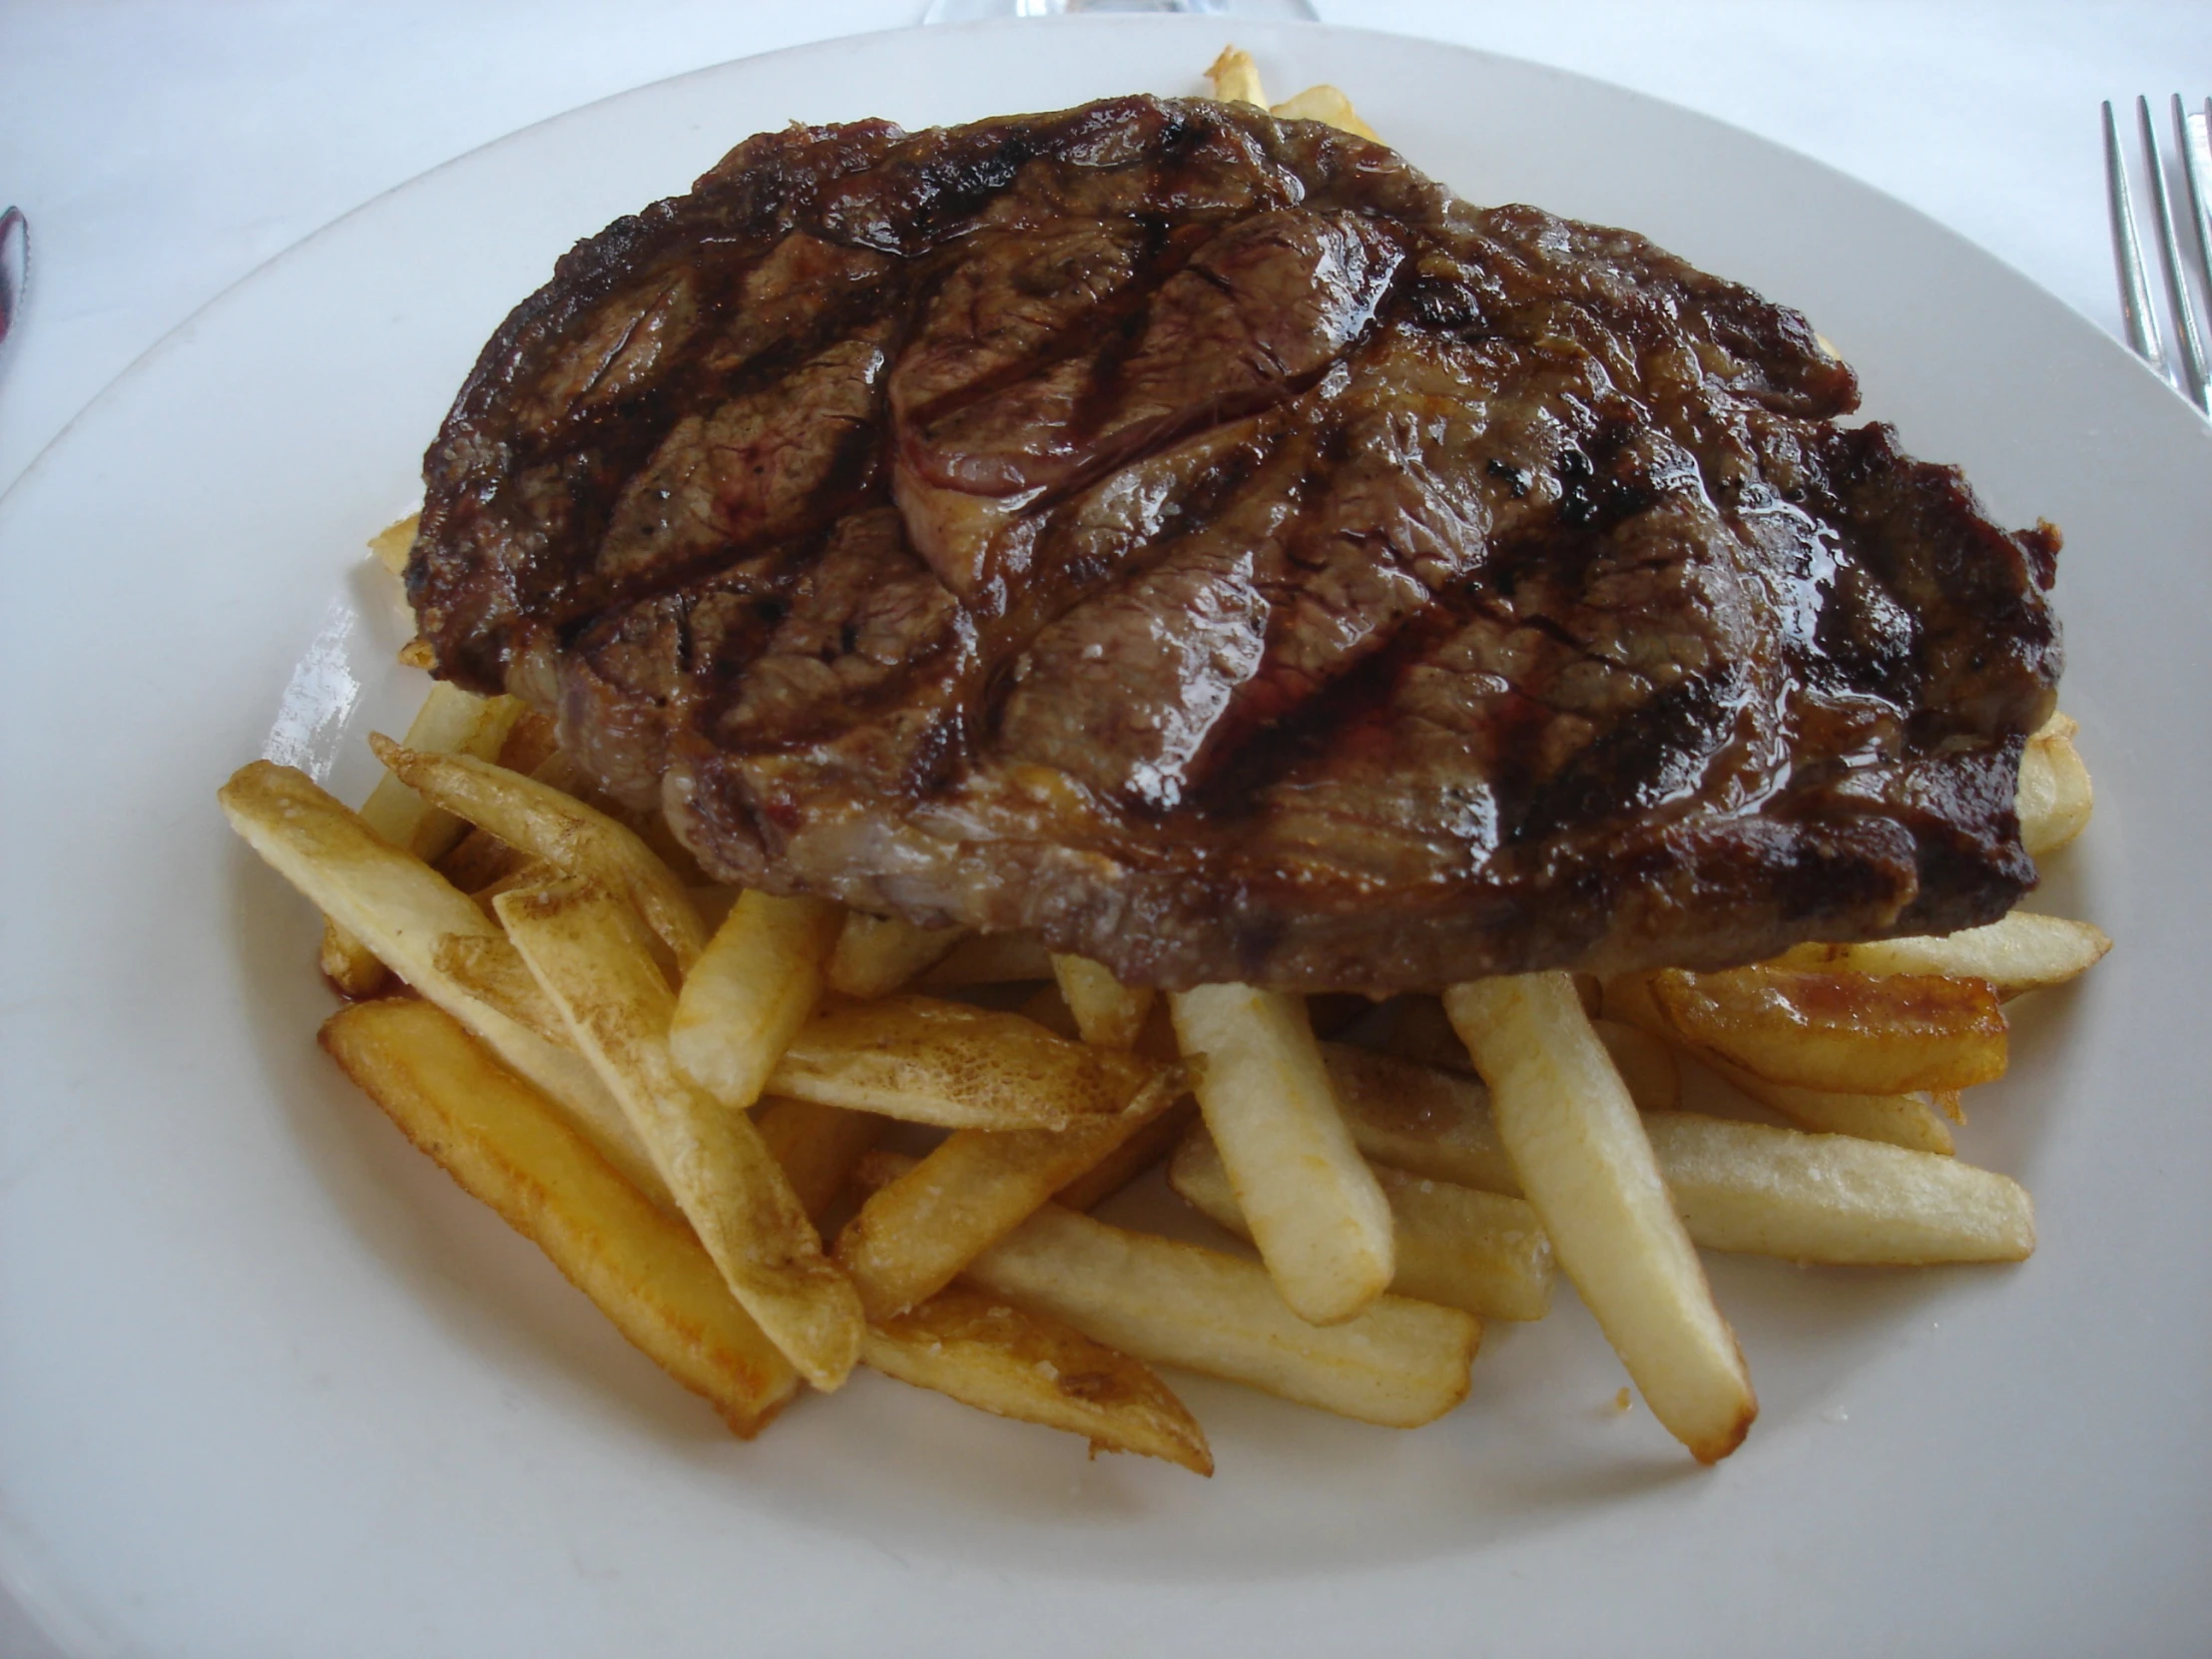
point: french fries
(749, 992)
(2021, 953)
(559, 829)
(1455, 1245)
(1107, 1014)
(913, 1235)
(1235, 78)
(506, 1145)
(1396, 1363)
(1847, 1032)
(875, 955)
(1324, 104)
(818, 1147)
(951, 1065)
(987, 959)
(1316, 1212)
(2055, 799)
(1578, 1145)
(588, 952)
(1018, 1363)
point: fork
(2127, 252)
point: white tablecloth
(163, 151)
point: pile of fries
(677, 1091)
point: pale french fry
(588, 950)
(547, 824)
(1833, 1198)
(1908, 1120)
(945, 1063)
(451, 722)
(749, 992)
(1396, 1363)
(914, 1236)
(1013, 1362)
(1236, 78)
(403, 909)
(489, 969)
(1455, 1245)
(2021, 953)
(1844, 1033)
(988, 959)
(1578, 1144)
(391, 546)
(1108, 1013)
(2055, 799)
(1147, 1147)
(818, 1146)
(1317, 1213)
(508, 1146)
(1324, 104)
(875, 955)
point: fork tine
(2127, 252)
(2196, 171)
(2178, 297)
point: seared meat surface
(1205, 540)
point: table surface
(164, 151)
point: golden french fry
(508, 1146)
(1317, 1213)
(1148, 1146)
(1578, 1143)
(451, 722)
(1908, 1120)
(988, 959)
(403, 909)
(914, 1236)
(1844, 1033)
(1455, 1245)
(1325, 103)
(1415, 1117)
(950, 1065)
(1236, 78)
(1396, 1362)
(2023, 952)
(1833, 1198)
(391, 546)
(749, 992)
(588, 950)
(1004, 1360)
(1108, 1013)
(875, 955)
(542, 821)
(2055, 799)
(818, 1147)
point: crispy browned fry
(875, 955)
(945, 1063)
(2055, 799)
(1455, 1245)
(816, 1145)
(2023, 952)
(988, 959)
(1147, 1147)
(1108, 1013)
(1834, 1198)
(749, 992)
(450, 721)
(1578, 1144)
(1841, 1031)
(403, 909)
(1414, 1117)
(914, 1236)
(489, 969)
(508, 1146)
(1325, 103)
(1908, 1120)
(547, 824)
(1316, 1215)
(1236, 78)
(589, 952)
(985, 1353)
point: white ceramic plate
(272, 1386)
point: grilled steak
(1205, 540)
